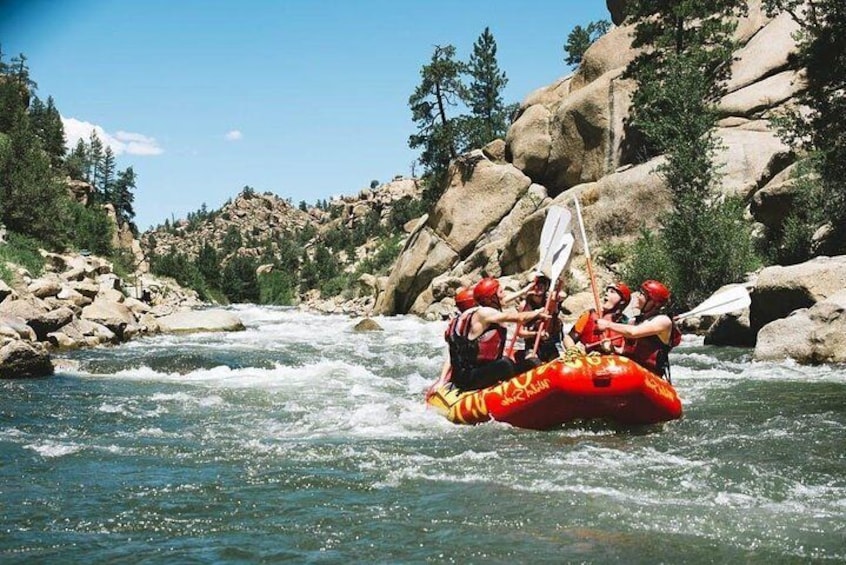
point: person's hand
(602, 324)
(605, 346)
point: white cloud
(121, 142)
(234, 135)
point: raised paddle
(730, 299)
(553, 242)
(588, 258)
(559, 262)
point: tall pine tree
(489, 118)
(819, 126)
(680, 75)
(439, 91)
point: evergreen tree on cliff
(820, 127)
(439, 91)
(581, 38)
(489, 118)
(680, 76)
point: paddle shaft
(549, 307)
(591, 274)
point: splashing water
(302, 440)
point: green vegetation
(21, 250)
(443, 133)
(704, 241)
(581, 38)
(818, 129)
(35, 204)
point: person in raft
(476, 340)
(548, 348)
(653, 334)
(587, 336)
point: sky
(307, 99)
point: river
(301, 441)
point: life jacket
(466, 354)
(587, 332)
(650, 352)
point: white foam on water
(51, 449)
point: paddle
(559, 262)
(593, 288)
(553, 241)
(553, 238)
(730, 299)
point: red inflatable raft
(607, 387)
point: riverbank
(79, 301)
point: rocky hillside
(265, 227)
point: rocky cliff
(570, 139)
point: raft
(587, 387)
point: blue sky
(306, 99)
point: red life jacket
(466, 354)
(650, 352)
(587, 332)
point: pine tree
(439, 90)
(680, 76)
(819, 128)
(76, 164)
(123, 197)
(581, 38)
(54, 135)
(47, 124)
(107, 176)
(20, 72)
(31, 201)
(484, 96)
(95, 164)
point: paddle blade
(557, 221)
(561, 257)
(556, 242)
(730, 299)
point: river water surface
(301, 441)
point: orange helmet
(655, 291)
(464, 299)
(624, 291)
(486, 291)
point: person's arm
(659, 326)
(486, 316)
(509, 298)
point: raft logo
(659, 387)
(524, 393)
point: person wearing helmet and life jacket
(653, 334)
(587, 336)
(476, 339)
(527, 334)
(463, 301)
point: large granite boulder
(470, 207)
(19, 360)
(189, 321)
(809, 335)
(114, 315)
(781, 290)
(771, 204)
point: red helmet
(656, 291)
(464, 299)
(486, 291)
(624, 291)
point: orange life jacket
(587, 332)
